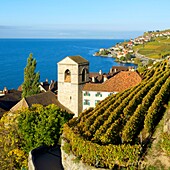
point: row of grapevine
(136, 96)
(109, 99)
(94, 119)
(105, 110)
(103, 117)
(85, 112)
(134, 125)
(112, 134)
(84, 125)
(115, 114)
(157, 69)
(107, 135)
(131, 107)
(106, 156)
(155, 112)
(116, 128)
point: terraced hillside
(114, 132)
(158, 48)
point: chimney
(51, 84)
(104, 78)
(5, 91)
(110, 70)
(100, 72)
(93, 79)
(46, 80)
(115, 70)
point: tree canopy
(27, 129)
(31, 78)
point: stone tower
(73, 73)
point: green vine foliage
(107, 156)
(116, 122)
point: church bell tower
(73, 74)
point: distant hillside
(158, 47)
(115, 132)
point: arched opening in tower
(67, 76)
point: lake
(47, 52)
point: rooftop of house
(44, 99)
(52, 86)
(9, 100)
(98, 77)
(121, 81)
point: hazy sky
(82, 18)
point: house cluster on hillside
(148, 37)
(77, 89)
(124, 51)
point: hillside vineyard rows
(125, 119)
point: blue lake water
(14, 54)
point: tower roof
(73, 59)
(78, 59)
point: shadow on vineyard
(117, 132)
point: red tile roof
(119, 82)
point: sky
(111, 19)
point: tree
(122, 58)
(128, 56)
(11, 154)
(26, 129)
(137, 61)
(31, 79)
(150, 62)
(41, 126)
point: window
(98, 94)
(84, 74)
(110, 94)
(96, 101)
(86, 102)
(86, 93)
(67, 76)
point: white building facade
(91, 98)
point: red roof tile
(119, 82)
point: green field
(156, 49)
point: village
(90, 87)
(126, 53)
